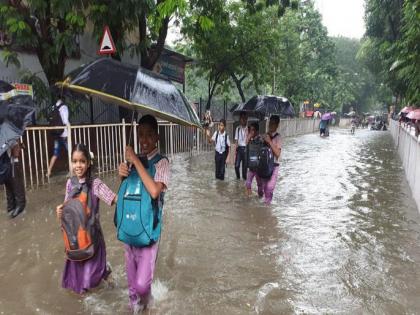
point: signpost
(107, 46)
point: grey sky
(342, 17)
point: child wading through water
(140, 261)
(222, 144)
(273, 140)
(15, 186)
(80, 276)
(241, 135)
(252, 135)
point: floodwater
(342, 236)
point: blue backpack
(138, 217)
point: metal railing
(107, 142)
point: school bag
(5, 168)
(253, 152)
(79, 225)
(138, 217)
(226, 146)
(54, 119)
(266, 161)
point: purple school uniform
(81, 276)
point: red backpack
(78, 224)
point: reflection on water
(342, 236)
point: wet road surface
(342, 236)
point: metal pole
(69, 146)
(91, 110)
(171, 140)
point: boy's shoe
(17, 211)
(10, 210)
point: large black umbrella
(132, 87)
(15, 114)
(262, 106)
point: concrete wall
(408, 147)
(345, 122)
(297, 126)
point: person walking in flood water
(252, 137)
(241, 134)
(14, 182)
(80, 276)
(221, 141)
(273, 140)
(151, 172)
(60, 117)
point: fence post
(171, 140)
(200, 111)
(69, 147)
(198, 140)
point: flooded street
(342, 236)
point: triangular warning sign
(107, 46)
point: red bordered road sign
(107, 46)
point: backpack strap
(76, 189)
(158, 202)
(275, 135)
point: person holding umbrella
(15, 114)
(140, 261)
(273, 141)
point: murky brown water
(342, 236)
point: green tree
(141, 27)
(304, 63)
(237, 49)
(384, 21)
(407, 65)
(50, 28)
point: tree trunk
(212, 89)
(150, 57)
(238, 83)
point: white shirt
(220, 144)
(241, 134)
(64, 113)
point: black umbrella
(132, 87)
(15, 114)
(262, 106)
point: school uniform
(241, 135)
(222, 145)
(81, 276)
(266, 186)
(140, 261)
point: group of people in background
(243, 136)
